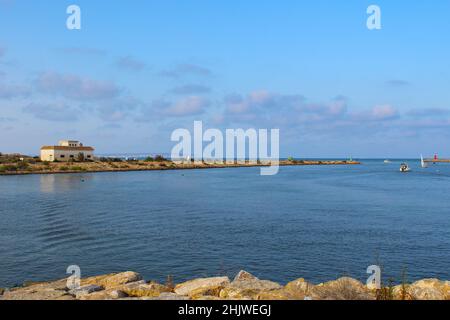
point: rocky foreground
(130, 286)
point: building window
(89, 157)
(71, 156)
(62, 156)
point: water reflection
(52, 183)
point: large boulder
(101, 295)
(193, 287)
(170, 296)
(213, 291)
(55, 290)
(430, 289)
(208, 298)
(138, 289)
(112, 280)
(232, 293)
(244, 275)
(110, 294)
(144, 289)
(247, 286)
(342, 289)
(299, 289)
(248, 281)
(280, 294)
(400, 292)
(85, 290)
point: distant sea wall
(38, 167)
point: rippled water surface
(311, 222)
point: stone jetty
(245, 286)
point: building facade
(67, 150)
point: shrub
(149, 159)
(22, 165)
(105, 159)
(8, 168)
(160, 158)
(77, 168)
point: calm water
(312, 222)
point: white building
(67, 150)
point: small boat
(387, 161)
(404, 167)
(422, 162)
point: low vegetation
(20, 164)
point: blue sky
(139, 69)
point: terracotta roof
(67, 148)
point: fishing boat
(404, 167)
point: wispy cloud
(14, 91)
(189, 106)
(119, 109)
(7, 119)
(75, 87)
(52, 112)
(130, 63)
(377, 113)
(186, 70)
(82, 51)
(429, 112)
(398, 83)
(190, 89)
(265, 106)
(296, 115)
(162, 109)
